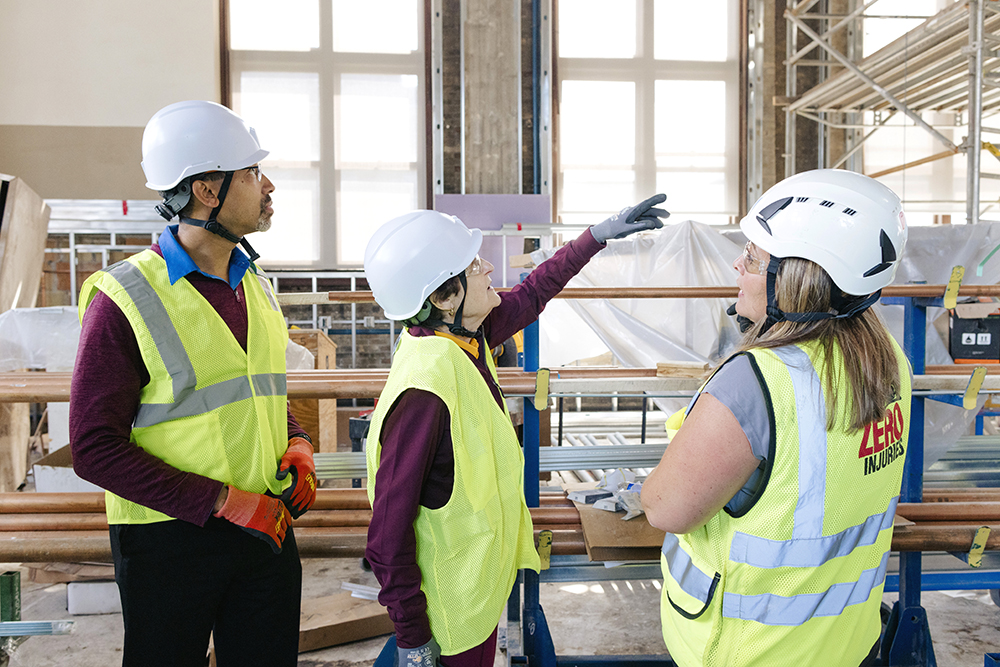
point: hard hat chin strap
(422, 318)
(456, 326)
(213, 225)
(842, 307)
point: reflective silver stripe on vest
(270, 384)
(761, 552)
(810, 408)
(808, 546)
(188, 401)
(692, 581)
(771, 609)
(194, 402)
(161, 329)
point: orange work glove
(262, 516)
(298, 459)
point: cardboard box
(975, 340)
(54, 473)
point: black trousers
(180, 582)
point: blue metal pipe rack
(907, 639)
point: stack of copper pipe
(947, 520)
(59, 527)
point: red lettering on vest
(899, 421)
(879, 430)
(865, 449)
(890, 427)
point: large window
(649, 103)
(334, 89)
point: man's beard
(264, 220)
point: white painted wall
(104, 63)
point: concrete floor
(597, 618)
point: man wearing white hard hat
(179, 410)
(779, 488)
(449, 526)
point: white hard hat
(412, 255)
(849, 224)
(188, 138)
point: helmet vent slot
(826, 204)
(849, 211)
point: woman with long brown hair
(779, 489)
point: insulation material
(641, 332)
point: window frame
(330, 66)
(644, 70)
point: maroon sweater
(107, 378)
(417, 464)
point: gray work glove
(421, 656)
(630, 220)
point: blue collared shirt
(179, 262)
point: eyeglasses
(477, 267)
(255, 170)
(753, 264)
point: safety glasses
(477, 267)
(751, 262)
(255, 170)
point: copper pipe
(980, 511)
(15, 503)
(326, 499)
(83, 545)
(350, 518)
(48, 522)
(330, 384)
(56, 547)
(961, 495)
(679, 292)
(940, 538)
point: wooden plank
(15, 429)
(338, 619)
(24, 225)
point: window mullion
(645, 104)
(328, 171)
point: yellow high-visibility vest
(209, 408)
(470, 549)
(797, 577)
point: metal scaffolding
(948, 63)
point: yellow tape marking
(542, 389)
(545, 547)
(978, 546)
(972, 390)
(951, 293)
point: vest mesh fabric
(209, 408)
(801, 574)
(470, 549)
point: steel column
(973, 142)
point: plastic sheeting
(47, 339)
(39, 338)
(642, 332)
